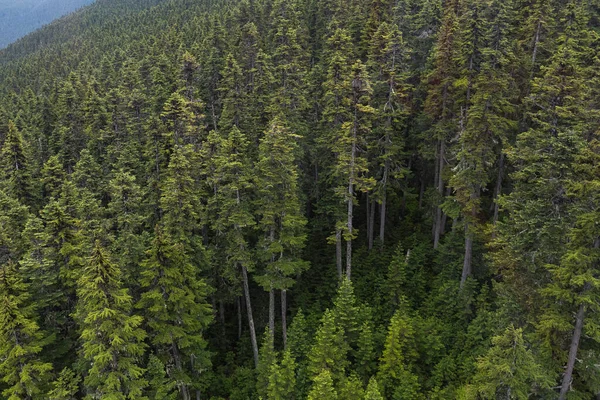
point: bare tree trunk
(386, 172)
(568, 376)
(440, 187)
(338, 251)
(272, 314)
(467, 264)
(370, 205)
(284, 317)
(468, 260)
(250, 316)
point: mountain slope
(19, 18)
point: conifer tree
(373, 391)
(111, 338)
(329, 352)
(229, 173)
(159, 384)
(280, 216)
(395, 373)
(442, 101)
(322, 388)
(267, 358)
(21, 341)
(175, 310)
(490, 117)
(66, 386)
(509, 368)
(15, 169)
(388, 56)
(282, 379)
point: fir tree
(66, 386)
(112, 339)
(173, 300)
(323, 388)
(21, 369)
(281, 221)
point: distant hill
(18, 18)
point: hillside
(21, 17)
(302, 199)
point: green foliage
(66, 386)
(111, 338)
(509, 369)
(24, 374)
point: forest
(302, 200)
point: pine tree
(112, 339)
(229, 173)
(441, 105)
(21, 340)
(266, 360)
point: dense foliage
(302, 199)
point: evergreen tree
(281, 220)
(323, 389)
(66, 386)
(509, 369)
(15, 168)
(111, 338)
(24, 374)
(159, 384)
(373, 391)
(282, 379)
(395, 374)
(329, 352)
(176, 314)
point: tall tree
(21, 368)
(111, 337)
(281, 221)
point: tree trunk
(386, 172)
(350, 231)
(467, 263)
(338, 251)
(468, 260)
(272, 314)
(284, 317)
(250, 316)
(568, 376)
(440, 187)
